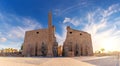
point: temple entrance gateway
(77, 43)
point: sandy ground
(60, 61)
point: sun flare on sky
(110, 45)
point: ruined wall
(77, 43)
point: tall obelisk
(50, 41)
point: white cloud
(73, 21)
(104, 34)
(103, 27)
(66, 20)
(16, 45)
(78, 6)
(3, 39)
(61, 37)
(19, 31)
(112, 9)
(31, 23)
(13, 28)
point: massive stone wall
(41, 42)
(77, 43)
(37, 41)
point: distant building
(77, 43)
(60, 50)
(9, 52)
(41, 42)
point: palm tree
(102, 50)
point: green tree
(102, 50)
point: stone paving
(65, 62)
(59, 61)
(21, 61)
(100, 61)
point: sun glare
(109, 45)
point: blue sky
(100, 18)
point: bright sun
(109, 45)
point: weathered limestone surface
(77, 43)
(41, 42)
